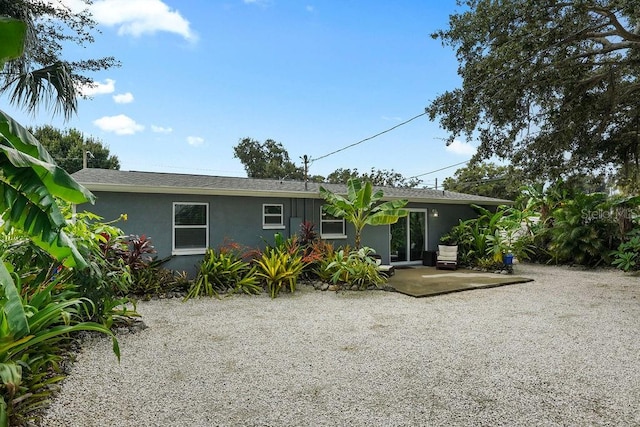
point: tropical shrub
(223, 271)
(490, 234)
(279, 268)
(355, 268)
(107, 278)
(489, 264)
(307, 234)
(327, 255)
(627, 256)
(580, 233)
(154, 279)
(34, 329)
(314, 258)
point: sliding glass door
(408, 237)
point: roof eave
(123, 188)
(155, 189)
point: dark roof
(174, 183)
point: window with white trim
(331, 227)
(190, 228)
(272, 216)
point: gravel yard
(562, 350)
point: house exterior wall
(239, 219)
(448, 216)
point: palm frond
(52, 85)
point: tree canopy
(266, 160)
(40, 75)
(552, 86)
(66, 147)
(379, 177)
(486, 179)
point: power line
(441, 169)
(371, 137)
(473, 88)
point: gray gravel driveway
(562, 350)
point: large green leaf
(353, 187)
(12, 307)
(56, 331)
(29, 182)
(12, 34)
(363, 196)
(387, 217)
(35, 212)
(390, 205)
(24, 151)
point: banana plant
(30, 182)
(362, 207)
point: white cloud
(97, 88)
(464, 148)
(120, 125)
(160, 129)
(195, 141)
(310, 8)
(123, 98)
(138, 17)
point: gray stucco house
(184, 214)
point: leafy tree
(552, 86)
(380, 177)
(66, 147)
(361, 207)
(486, 179)
(40, 74)
(266, 160)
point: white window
(331, 227)
(190, 228)
(272, 216)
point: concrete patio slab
(428, 281)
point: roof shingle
(159, 182)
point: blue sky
(199, 75)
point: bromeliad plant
(355, 267)
(279, 268)
(280, 264)
(30, 352)
(223, 271)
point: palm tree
(361, 207)
(29, 86)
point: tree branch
(613, 19)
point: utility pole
(86, 153)
(305, 159)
